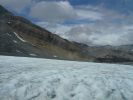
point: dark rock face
(20, 37)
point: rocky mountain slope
(20, 37)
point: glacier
(23, 78)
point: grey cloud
(112, 29)
(53, 11)
(101, 35)
(109, 26)
(55, 27)
(88, 14)
(94, 33)
(62, 10)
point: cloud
(57, 11)
(92, 25)
(55, 27)
(53, 11)
(16, 5)
(108, 27)
(96, 34)
(88, 14)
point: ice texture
(24, 78)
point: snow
(15, 41)
(32, 54)
(19, 37)
(8, 34)
(55, 56)
(18, 51)
(24, 78)
(9, 22)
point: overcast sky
(93, 22)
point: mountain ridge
(20, 37)
(51, 44)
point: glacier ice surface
(24, 78)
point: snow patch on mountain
(19, 37)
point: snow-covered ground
(43, 79)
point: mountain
(112, 53)
(20, 37)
